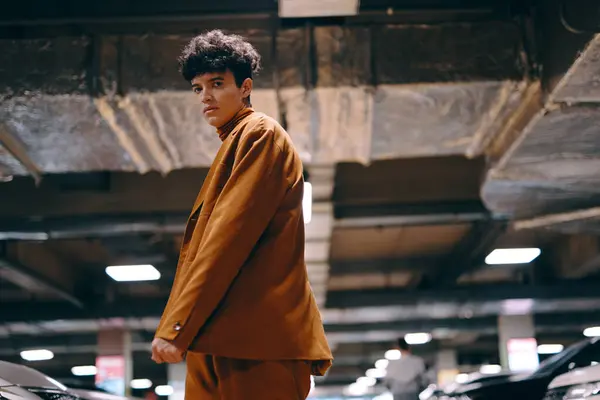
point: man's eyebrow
(216, 78)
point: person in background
(241, 309)
(406, 377)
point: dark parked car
(441, 393)
(18, 382)
(533, 386)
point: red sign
(522, 354)
(111, 374)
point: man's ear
(247, 87)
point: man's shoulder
(259, 124)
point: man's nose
(206, 97)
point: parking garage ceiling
(433, 132)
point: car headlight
(581, 392)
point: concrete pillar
(518, 347)
(176, 375)
(446, 365)
(318, 231)
(114, 361)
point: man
(406, 377)
(241, 306)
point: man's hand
(165, 352)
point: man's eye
(197, 90)
(217, 84)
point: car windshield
(549, 364)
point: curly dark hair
(215, 51)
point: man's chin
(213, 121)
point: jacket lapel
(209, 177)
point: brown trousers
(219, 378)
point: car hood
(496, 383)
(473, 384)
(16, 392)
(576, 377)
(20, 375)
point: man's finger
(172, 357)
(156, 357)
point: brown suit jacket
(241, 289)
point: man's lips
(208, 109)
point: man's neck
(224, 130)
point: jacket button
(177, 326)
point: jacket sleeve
(247, 203)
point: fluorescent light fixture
(307, 202)
(317, 8)
(84, 370)
(393, 354)
(376, 373)
(417, 338)
(382, 364)
(461, 378)
(37, 355)
(490, 369)
(366, 381)
(593, 331)
(512, 256)
(356, 389)
(141, 384)
(517, 306)
(133, 273)
(550, 348)
(164, 390)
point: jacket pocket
(195, 237)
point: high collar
(226, 129)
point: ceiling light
(593, 331)
(393, 354)
(37, 355)
(382, 364)
(133, 273)
(550, 348)
(307, 202)
(417, 338)
(356, 389)
(141, 384)
(490, 369)
(84, 370)
(317, 8)
(461, 378)
(376, 373)
(512, 256)
(366, 381)
(164, 390)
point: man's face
(220, 96)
